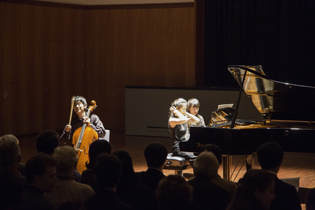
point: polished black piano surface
(287, 109)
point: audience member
(47, 141)
(10, 157)
(207, 194)
(107, 169)
(96, 148)
(255, 191)
(226, 184)
(66, 189)
(129, 188)
(193, 106)
(214, 149)
(174, 193)
(310, 200)
(270, 156)
(40, 172)
(155, 156)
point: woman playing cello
(79, 120)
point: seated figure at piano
(193, 107)
(178, 122)
(286, 110)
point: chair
(106, 137)
(176, 163)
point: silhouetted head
(155, 155)
(96, 148)
(47, 141)
(107, 170)
(126, 161)
(270, 155)
(206, 164)
(174, 192)
(214, 149)
(10, 154)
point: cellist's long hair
(177, 103)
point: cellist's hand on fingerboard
(87, 120)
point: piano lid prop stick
(238, 102)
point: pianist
(178, 122)
(193, 107)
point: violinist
(81, 117)
(179, 119)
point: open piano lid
(273, 99)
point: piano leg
(226, 163)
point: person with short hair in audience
(12, 183)
(10, 158)
(217, 179)
(174, 193)
(129, 189)
(255, 191)
(66, 189)
(310, 200)
(47, 141)
(155, 155)
(207, 194)
(270, 156)
(107, 169)
(96, 148)
(40, 172)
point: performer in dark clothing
(93, 121)
(193, 106)
(178, 123)
(40, 172)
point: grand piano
(288, 118)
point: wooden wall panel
(63, 78)
(24, 31)
(50, 53)
(138, 47)
(21, 68)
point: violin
(82, 139)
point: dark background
(277, 34)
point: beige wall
(49, 53)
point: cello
(82, 139)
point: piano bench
(176, 163)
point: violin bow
(71, 110)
